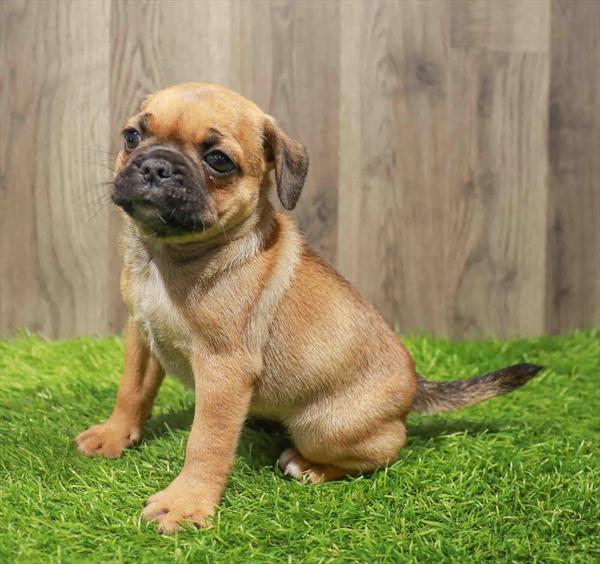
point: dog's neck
(229, 248)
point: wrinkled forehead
(191, 115)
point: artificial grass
(514, 478)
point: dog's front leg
(223, 393)
(142, 377)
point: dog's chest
(166, 328)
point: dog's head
(194, 162)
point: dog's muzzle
(163, 189)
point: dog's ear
(290, 161)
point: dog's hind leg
(324, 460)
(293, 464)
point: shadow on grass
(263, 441)
(172, 420)
(424, 430)
(260, 445)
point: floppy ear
(290, 160)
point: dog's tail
(435, 397)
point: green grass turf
(514, 478)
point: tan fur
(250, 316)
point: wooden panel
(501, 25)
(496, 204)
(289, 54)
(54, 239)
(157, 44)
(435, 185)
(393, 163)
(573, 289)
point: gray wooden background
(455, 148)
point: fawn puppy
(223, 293)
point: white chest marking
(167, 330)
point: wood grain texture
(573, 239)
(290, 66)
(454, 148)
(496, 206)
(395, 168)
(520, 26)
(54, 241)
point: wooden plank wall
(455, 175)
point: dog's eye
(132, 139)
(219, 162)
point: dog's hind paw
(293, 464)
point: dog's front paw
(108, 439)
(185, 500)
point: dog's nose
(154, 171)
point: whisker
(224, 231)
(109, 153)
(97, 150)
(99, 209)
(94, 193)
(104, 165)
(98, 163)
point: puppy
(223, 293)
